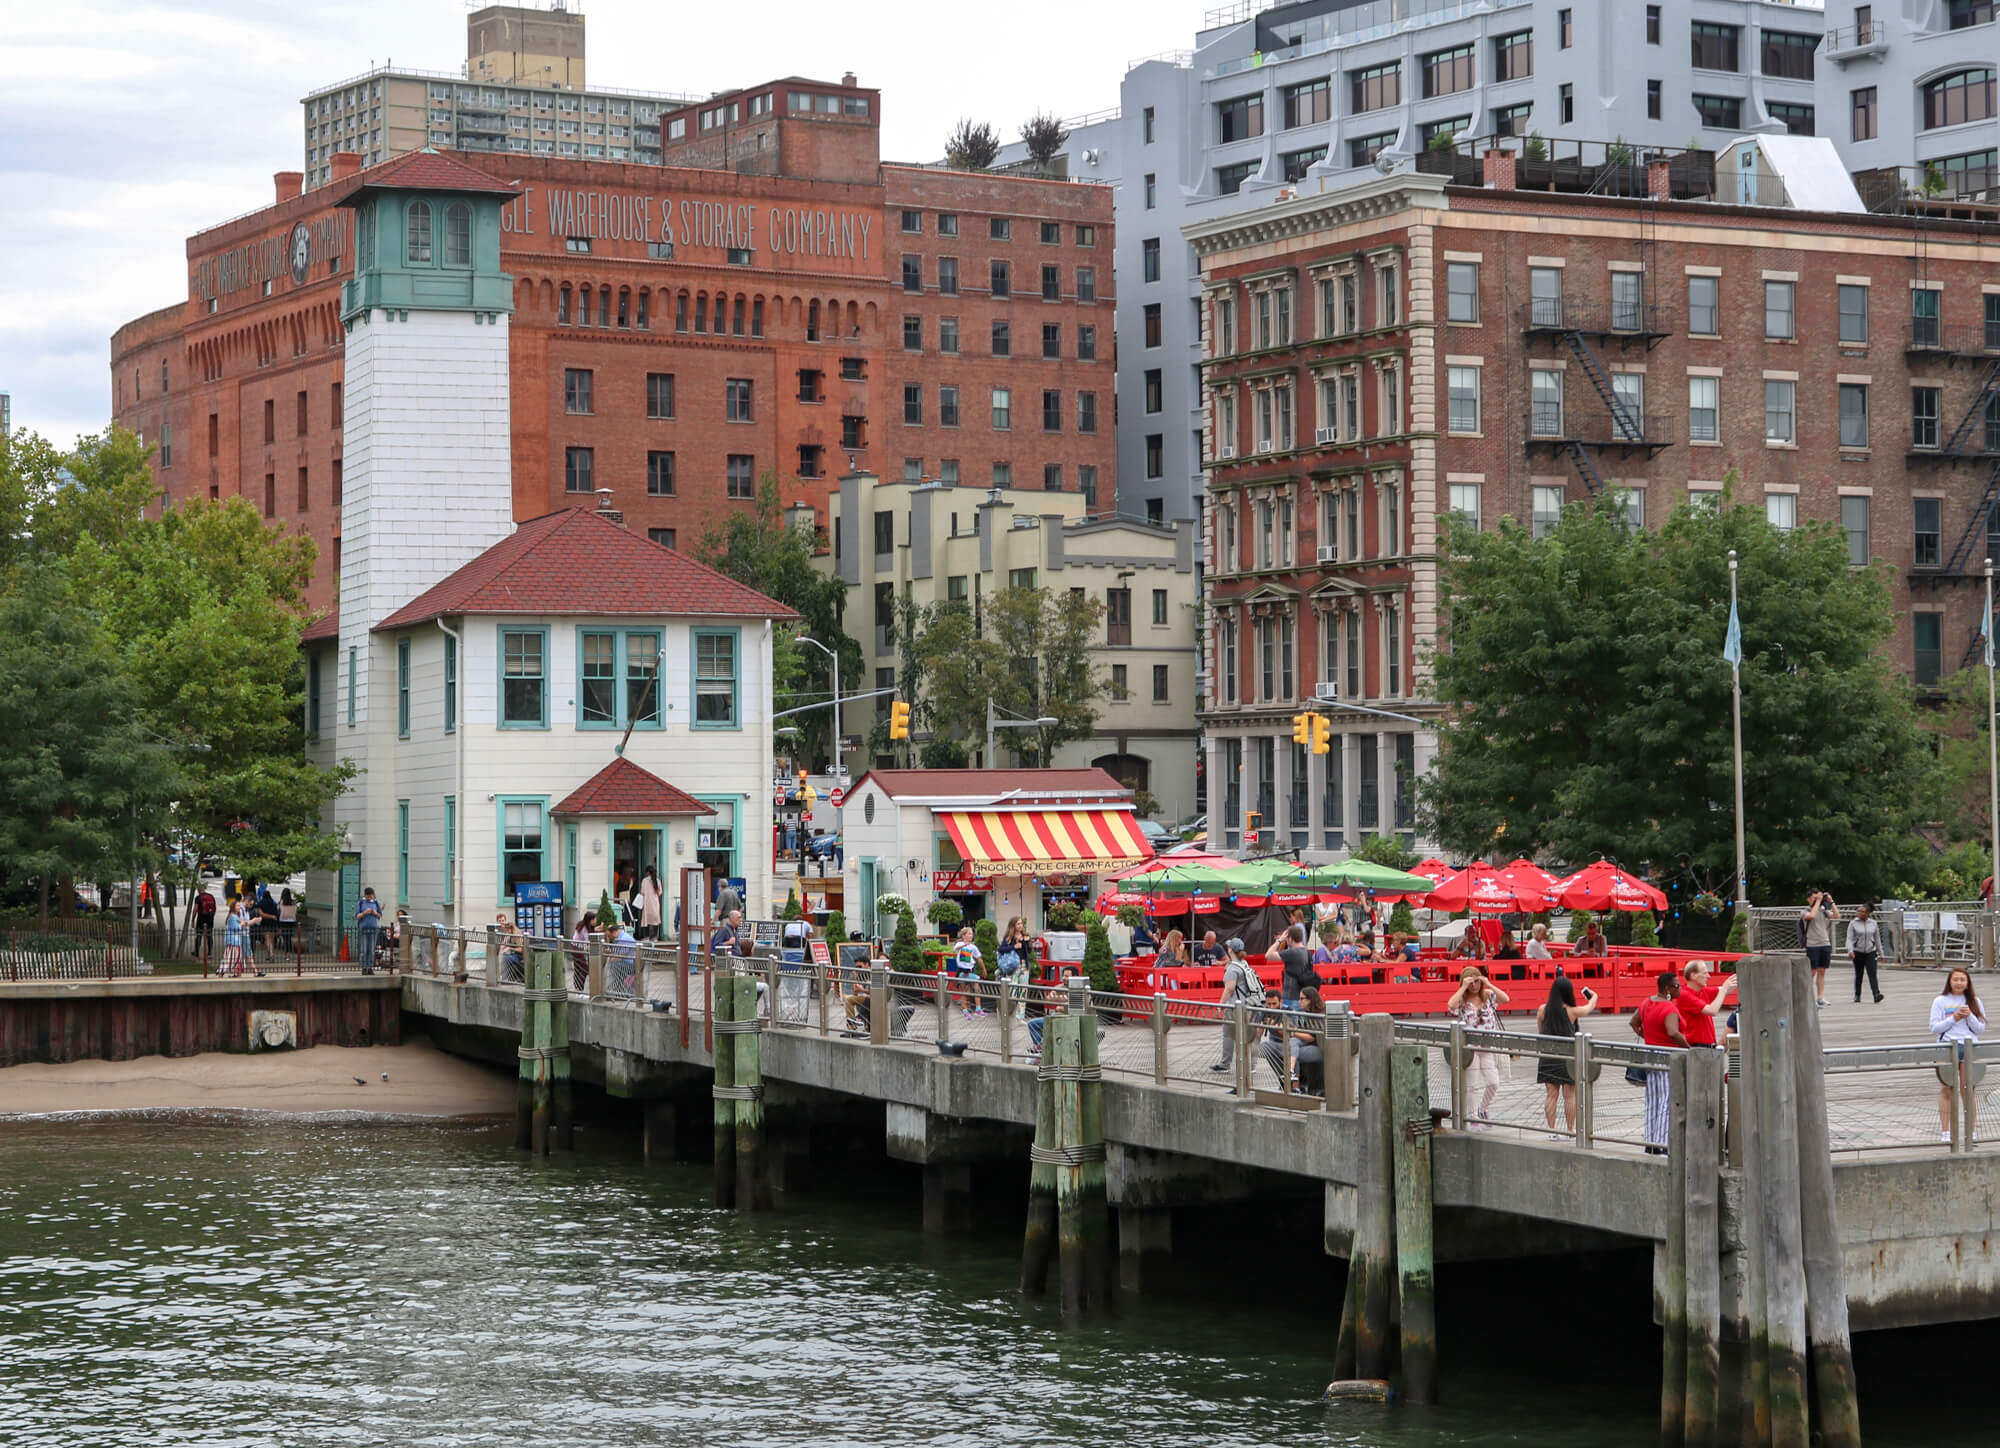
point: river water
(182, 1282)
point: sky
(126, 127)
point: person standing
(367, 928)
(1558, 1017)
(235, 941)
(1700, 1003)
(1012, 957)
(1956, 1016)
(1816, 925)
(204, 924)
(1298, 967)
(1864, 947)
(1657, 1022)
(650, 896)
(1239, 983)
(288, 921)
(1476, 1006)
(727, 900)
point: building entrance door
(634, 849)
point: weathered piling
(1069, 1215)
(1039, 1240)
(1784, 1277)
(542, 1099)
(1754, 1391)
(1673, 1265)
(1364, 1349)
(1411, 1127)
(1835, 1392)
(1099, 1257)
(1700, 1171)
(753, 1181)
(723, 1056)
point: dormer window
(458, 234)
(419, 237)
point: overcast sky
(125, 127)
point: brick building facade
(676, 335)
(1383, 356)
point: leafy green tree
(1645, 929)
(1590, 703)
(1402, 920)
(1739, 933)
(49, 498)
(206, 604)
(763, 549)
(81, 784)
(1385, 850)
(971, 146)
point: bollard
(1159, 1038)
(944, 1005)
(1337, 1052)
(1455, 1065)
(1007, 1003)
(1241, 1011)
(1586, 1091)
(593, 970)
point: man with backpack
(204, 923)
(1239, 983)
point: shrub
(836, 925)
(607, 913)
(1131, 916)
(986, 935)
(1645, 929)
(1536, 149)
(1402, 919)
(1739, 934)
(971, 146)
(904, 953)
(792, 910)
(1064, 915)
(1097, 962)
(1579, 921)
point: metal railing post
(1159, 1038)
(1337, 1056)
(821, 976)
(1586, 1092)
(1008, 1001)
(1959, 1143)
(878, 1004)
(1455, 1064)
(593, 970)
(1732, 1098)
(1242, 1009)
(944, 1005)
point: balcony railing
(1844, 39)
(1550, 423)
(1958, 339)
(1600, 319)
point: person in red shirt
(1657, 1022)
(1700, 1003)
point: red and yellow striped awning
(1047, 841)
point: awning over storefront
(1038, 841)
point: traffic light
(899, 720)
(1302, 728)
(1322, 734)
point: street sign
(835, 795)
(849, 743)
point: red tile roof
(426, 170)
(322, 629)
(623, 788)
(991, 784)
(575, 562)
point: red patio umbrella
(1603, 886)
(1485, 891)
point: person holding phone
(1558, 1017)
(1956, 1016)
(1816, 925)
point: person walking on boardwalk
(1558, 1017)
(1864, 946)
(1239, 983)
(1816, 925)
(1476, 1005)
(1657, 1022)
(1956, 1016)
(235, 941)
(204, 924)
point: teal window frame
(738, 807)
(402, 688)
(500, 804)
(402, 852)
(353, 669)
(630, 647)
(450, 684)
(569, 863)
(500, 664)
(450, 844)
(313, 686)
(735, 637)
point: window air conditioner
(1329, 553)
(1264, 444)
(1326, 691)
(1326, 435)
(1227, 451)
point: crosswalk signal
(1322, 732)
(899, 720)
(1302, 728)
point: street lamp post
(839, 772)
(994, 721)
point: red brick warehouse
(1426, 344)
(772, 299)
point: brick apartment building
(1419, 344)
(676, 332)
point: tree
(986, 935)
(1043, 135)
(1384, 850)
(1402, 921)
(1098, 963)
(905, 955)
(49, 499)
(206, 604)
(971, 146)
(1044, 637)
(79, 779)
(1590, 703)
(762, 549)
(1645, 929)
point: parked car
(821, 847)
(1158, 835)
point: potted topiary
(1645, 929)
(1061, 922)
(905, 954)
(607, 914)
(836, 928)
(1738, 942)
(1099, 967)
(986, 935)
(1402, 920)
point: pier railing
(1586, 1090)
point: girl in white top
(1956, 1016)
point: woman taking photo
(1956, 1016)
(1558, 1017)
(1476, 1005)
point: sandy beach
(422, 1081)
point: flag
(1732, 646)
(1986, 629)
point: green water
(180, 1282)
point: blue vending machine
(538, 908)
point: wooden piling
(1062, 1037)
(1411, 1127)
(1784, 1276)
(753, 1181)
(1039, 1240)
(1100, 1265)
(1699, 1169)
(1372, 1262)
(1835, 1392)
(1673, 1266)
(723, 1057)
(1754, 1392)
(542, 1105)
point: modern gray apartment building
(1313, 95)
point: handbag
(1636, 1075)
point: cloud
(127, 128)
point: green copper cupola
(427, 238)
